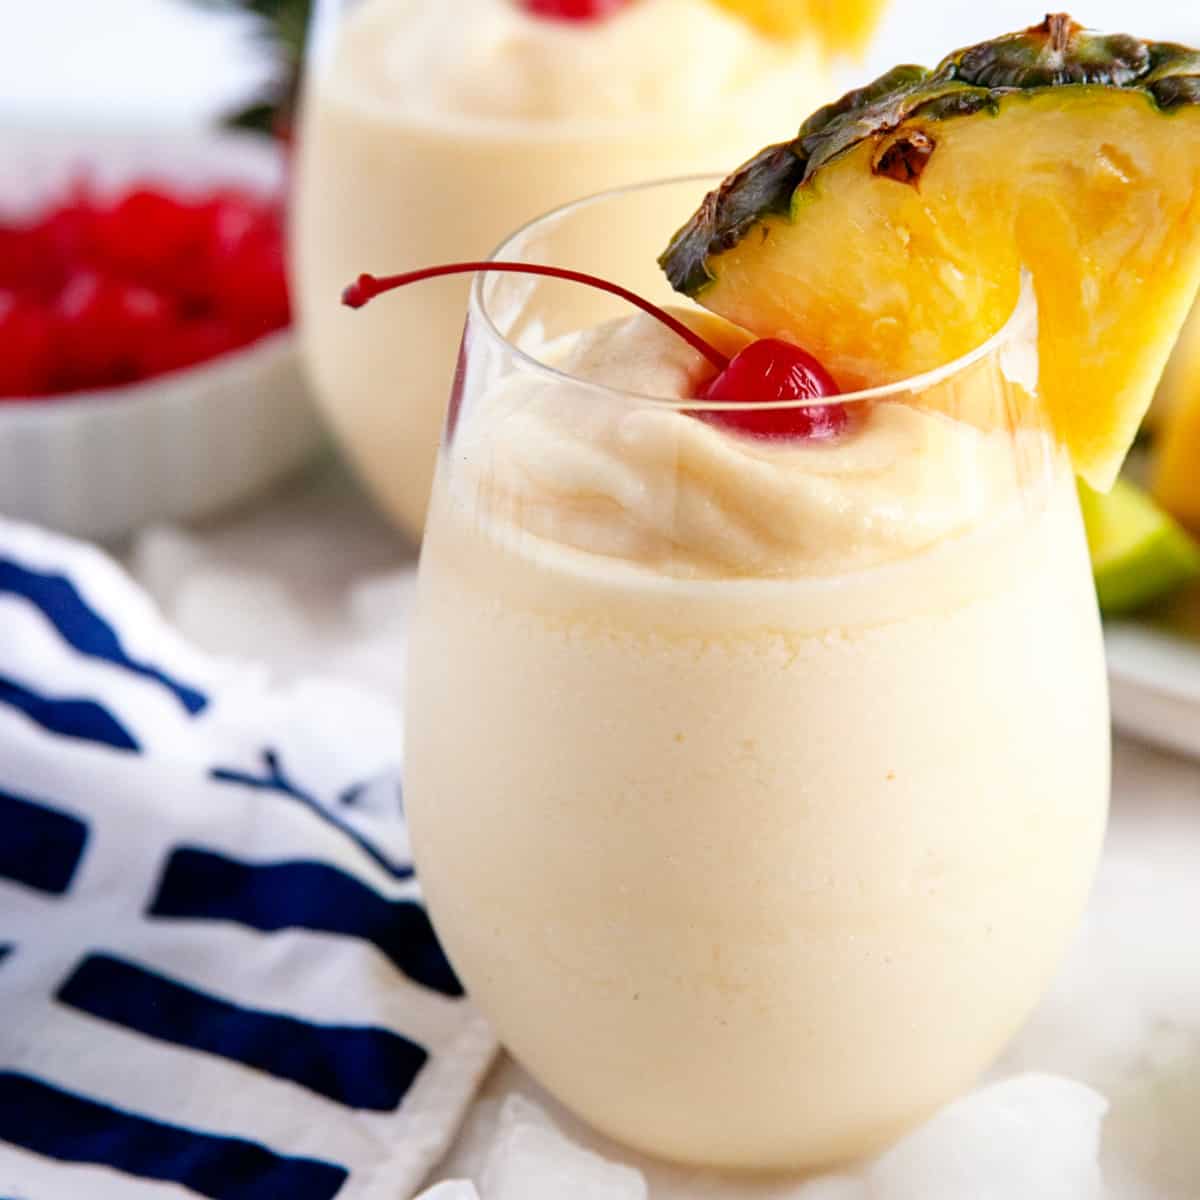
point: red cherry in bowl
(103, 291)
(573, 10)
(769, 371)
(27, 337)
(103, 324)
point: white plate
(103, 464)
(1154, 676)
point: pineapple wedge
(1182, 378)
(1175, 480)
(844, 26)
(890, 236)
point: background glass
(383, 187)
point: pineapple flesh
(890, 236)
(1176, 473)
(844, 26)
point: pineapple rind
(1168, 74)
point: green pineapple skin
(1056, 54)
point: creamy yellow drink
(756, 785)
(435, 129)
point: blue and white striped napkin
(217, 978)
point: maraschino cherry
(772, 369)
(765, 371)
(573, 10)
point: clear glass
(755, 787)
(388, 181)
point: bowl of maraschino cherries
(147, 365)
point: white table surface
(1125, 1015)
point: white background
(165, 61)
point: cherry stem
(366, 287)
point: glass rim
(477, 307)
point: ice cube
(1035, 1137)
(678, 1183)
(531, 1159)
(452, 1189)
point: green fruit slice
(1139, 553)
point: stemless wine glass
(755, 786)
(390, 177)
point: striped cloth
(216, 975)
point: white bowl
(102, 464)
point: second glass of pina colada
(433, 128)
(757, 757)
